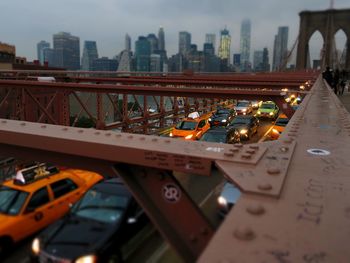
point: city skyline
(107, 22)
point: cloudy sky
(25, 22)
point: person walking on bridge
(328, 76)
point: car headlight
(224, 121)
(258, 112)
(36, 246)
(87, 259)
(189, 136)
(222, 201)
(271, 113)
(209, 119)
(244, 110)
(243, 131)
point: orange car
(191, 128)
(279, 126)
(38, 196)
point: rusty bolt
(43, 126)
(80, 131)
(250, 151)
(264, 186)
(130, 137)
(233, 150)
(238, 145)
(273, 170)
(154, 139)
(255, 209)
(3, 121)
(97, 133)
(23, 124)
(118, 135)
(244, 233)
(246, 156)
(108, 134)
(142, 138)
(65, 129)
(229, 154)
(255, 147)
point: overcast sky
(25, 22)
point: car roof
(112, 186)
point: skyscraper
(184, 42)
(89, 54)
(40, 50)
(127, 42)
(225, 45)
(258, 60)
(161, 39)
(245, 44)
(280, 49)
(211, 39)
(142, 54)
(67, 51)
(265, 63)
(153, 40)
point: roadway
(203, 190)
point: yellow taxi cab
(279, 126)
(192, 127)
(36, 197)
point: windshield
(243, 104)
(240, 121)
(186, 125)
(282, 122)
(214, 137)
(11, 200)
(222, 111)
(267, 106)
(100, 206)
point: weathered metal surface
(308, 222)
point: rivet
(154, 139)
(3, 121)
(108, 134)
(238, 145)
(167, 141)
(43, 126)
(80, 131)
(255, 209)
(142, 138)
(273, 170)
(97, 133)
(244, 233)
(118, 135)
(130, 137)
(255, 147)
(250, 151)
(233, 150)
(23, 124)
(228, 154)
(246, 156)
(65, 129)
(264, 186)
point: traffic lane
(264, 126)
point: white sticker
(215, 149)
(171, 193)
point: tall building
(67, 51)
(237, 61)
(142, 54)
(161, 39)
(153, 40)
(225, 46)
(258, 60)
(40, 50)
(155, 63)
(266, 63)
(184, 42)
(127, 42)
(89, 54)
(211, 39)
(49, 56)
(208, 48)
(245, 44)
(280, 49)
(104, 64)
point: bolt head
(264, 186)
(244, 233)
(255, 209)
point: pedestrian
(342, 86)
(336, 80)
(328, 76)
